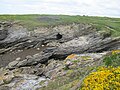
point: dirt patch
(5, 59)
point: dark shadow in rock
(58, 36)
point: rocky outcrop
(17, 37)
(67, 31)
(82, 42)
(12, 35)
(69, 74)
(15, 80)
(28, 77)
(88, 43)
(30, 60)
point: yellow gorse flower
(103, 79)
(115, 52)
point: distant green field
(103, 24)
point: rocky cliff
(34, 59)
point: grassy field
(103, 24)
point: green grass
(102, 24)
(112, 60)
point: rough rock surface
(35, 59)
(68, 74)
(12, 35)
(15, 80)
(28, 77)
(17, 37)
(3, 34)
(88, 43)
(81, 41)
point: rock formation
(86, 45)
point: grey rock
(13, 35)
(32, 70)
(12, 64)
(53, 68)
(28, 82)
(40, 58)
(19, 38)
(5, 88)
(8, 79)
(1, 82)
(17, 59)
(28, 57)
(24, 82)
(3, 34)
(88, 43)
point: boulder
(53, 68)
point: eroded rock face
(24, 78)
(19, 38)
(67, 31)
(24, 82)
(88, 43)
(3, 34)
(58, 42)
(27, 77)
(73, 61)
(12, 35)
(53, 68)
(35, 59)
(68, 74)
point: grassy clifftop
(103, 24)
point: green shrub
(112, 60)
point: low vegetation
(102, 24)
(106, 77)
(103, 79)
(112, 60)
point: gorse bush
(103, 79)
(115, 52)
